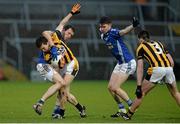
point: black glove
(135, 22)
(138, 92)
(54, 53)
(75, 9)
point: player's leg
(146, 87)
(155, 75)
(119, 76)
(171, 85)
(116, 80)
(71, 98)
(53, 76)
(174, 92)
(59, 109)
(68, 78)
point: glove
(138, 92)
(54, 53)
(75, 9)
(135, 22)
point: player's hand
(54, 53)
(135, 22)
(75, 9)
(138, 92)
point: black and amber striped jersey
(62, 49)
(154, 52)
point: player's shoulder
(113, 30)
(140, 45)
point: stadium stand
(27, 19)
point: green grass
(17, 98)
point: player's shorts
(46, 71)
(71, 68)
(156, 74)
(127, 68)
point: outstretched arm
(135, 23)
(47, 35)
(126, 30)
(75, 10)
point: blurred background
(22, 21)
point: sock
(62, 112)
(79, 107)
(122, 108)
(130, 114)
(58, 110)
(129, 102)
(41, 101)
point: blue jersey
(115, 44)
(41, 58)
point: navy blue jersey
(41, 58)
(115, 44)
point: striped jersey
(154, 52)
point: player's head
(143, 36)
(42, 43)
(68, 32)
(105, 24)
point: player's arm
(139, 78)
(47, 35)
(140, 66)
(170, 59)
(139, 72)
(135, 23)
(75, 10)
(126, 30)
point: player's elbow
(45, 33)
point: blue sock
(129, 102)
(58, 110)
(121, 106)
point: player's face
(104, 28)
(45, 47)
(68, 34)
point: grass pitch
(17, 98)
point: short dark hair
(41, 40)
(105, 20)
(143, 34)
(66, 27)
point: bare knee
(112, 89)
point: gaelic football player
(161, 68)
(126, 65)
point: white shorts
(160, 73)
(71, 68)
(127, 68)
(46, 71)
